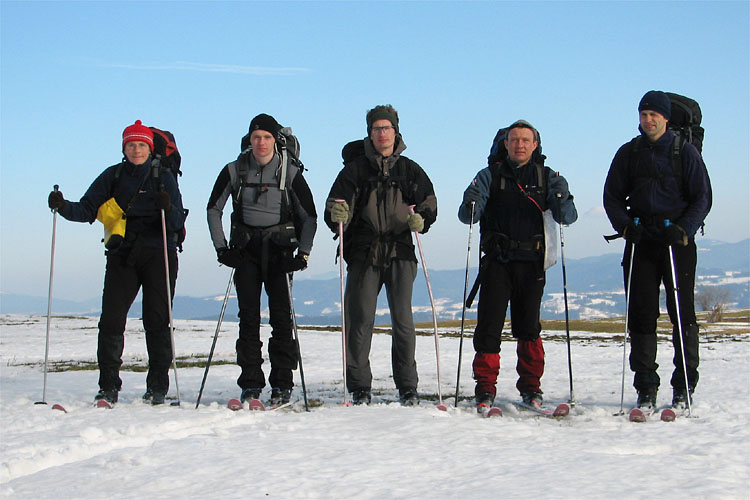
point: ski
(491, 411)
(561, 410)
(60, 407)
(257, 405)
(235, 404)
(103, 403)
(640, 415)
(672, 413)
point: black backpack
(685, 124)
(686, 120)
(165, 155)
(498, 151)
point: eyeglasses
(384, 129)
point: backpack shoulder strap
(675, 158)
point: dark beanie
(386, 112)
(265, 122)
(656, 100)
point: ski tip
(100, 403)
(59, 407)
(234, 404)
(562, 410)
(346, 403)
(493, 412)
(668, 415)
(257, 405)
(636, 415)
(442, 407)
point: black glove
(231, 257)
(55, 200)
(293, 264)
(163, 201)
(472, 194)
(633, 233)
(559, 186)
(675, 235)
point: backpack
(686, 120)
(498, 153)
(685, 124)
(165, 155)
(166, 152)
(287, 145)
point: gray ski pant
(363, 284)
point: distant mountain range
(595, 289)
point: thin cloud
(211, 68)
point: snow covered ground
(383, 451)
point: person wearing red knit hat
(135, 260)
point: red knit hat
(138, 132)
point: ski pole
(440, 405)
(216, 336)
(296, 339)
(343, 315)
(155, 174)
(572, 400)
(463, 305)
(679, 322)
(627, 317)
(169, 306)
(49, 301)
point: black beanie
(656, 100)
(265, 122)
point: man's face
(653, 124)
(263, 143)
(137, 152)
(383, 136)
(521, 144)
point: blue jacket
(135, 187)
(642, 184)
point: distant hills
(595, 289)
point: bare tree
(713, 299)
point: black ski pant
(520, 284)
(122, 280)
(282, 350)
(651, 268)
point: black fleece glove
(633, 233)
(163, 201)
(294, 264)
(55, 200)
(674, 235)
(231, 257)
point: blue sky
(74, 74)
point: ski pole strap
(612, 237)
(474, 290)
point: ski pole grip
(666, 222)
(411, 209)
(56, 188)
(637, 220)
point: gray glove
(340, 212)
(416, 222)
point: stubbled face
(653, 124)
(383, 136)
(137, 152)
(521, 144)
(263, 144)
